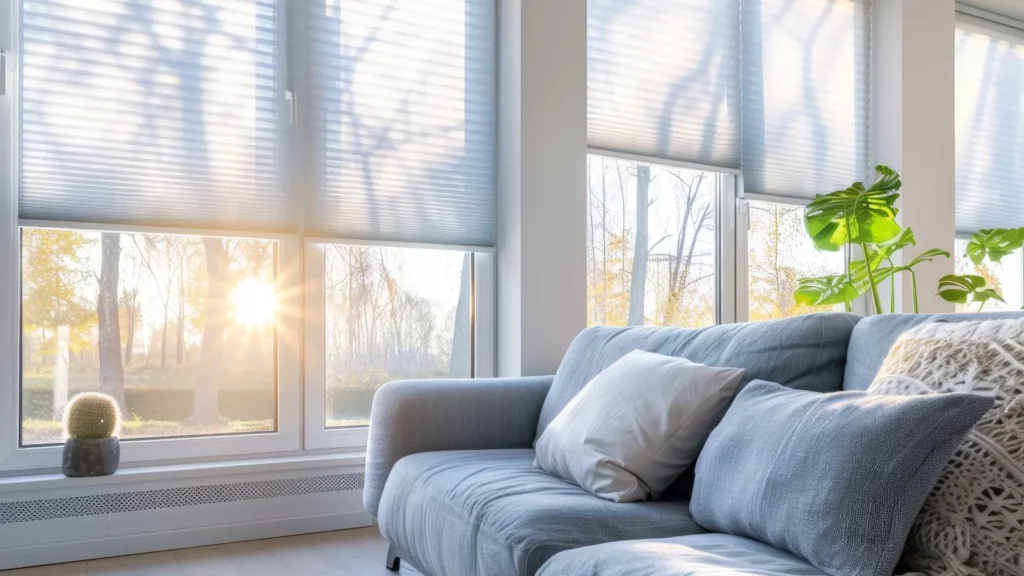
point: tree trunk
(205, 398)
(180, 348)
(60, 371)
(163, 339)
(393, 295)
(460, 364)
(111, 371)
(639, 277)
(130, 328)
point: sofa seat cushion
(491, 512)
(697, 555)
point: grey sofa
(450, 473)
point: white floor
(343, 553)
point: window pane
(1005, 277)
(670, 214)
(392, 314)
(780, 254)
(181, 330)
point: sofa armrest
(413, 416)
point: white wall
(541, 240)
(914, 129)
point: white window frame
(482, 320)
(300, 384)
(728, 183)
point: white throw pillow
(637, 425)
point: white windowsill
(128, 475)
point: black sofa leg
(393, 562)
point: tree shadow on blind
(404, 108)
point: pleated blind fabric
(776, 88)
(805, 94)
(663, 79)
(403, 106)
(989, 121)
(152, 112)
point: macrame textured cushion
(972, 523)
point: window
(759, 100)
(393, 314)
(242, 217)
(180, 330)
(651, 244)
(1006, 277)
(779, 254)
(989, 66)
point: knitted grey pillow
(835, 479)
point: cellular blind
(989, 121)
(663, 79)
(776, 88)
(152, 112)
(805, 74)
(403, 110)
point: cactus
(91, 415)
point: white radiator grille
(113, 503)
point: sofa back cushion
(806, 353)
(874, 336)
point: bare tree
(132, 307)
(697, 215)
(154, 248)
(181, 250)
(111, 371)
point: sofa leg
(393, 561)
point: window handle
(3, 72)
(293, 107)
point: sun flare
(254, 301)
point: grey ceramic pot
(91, 457)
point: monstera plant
(862, 217)
(986, 245)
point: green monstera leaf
(994, 244)
(905, 238)
(958, 288)
(964, 288)
(856, 215)
(825, 291)
(986, 295)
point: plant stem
(913, 286)
(892, 289)
(876, 300)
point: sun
(254, 302)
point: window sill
(129, 475)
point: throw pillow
(972, 521)
(637, 425)
(836, 479)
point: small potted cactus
(91, 422)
